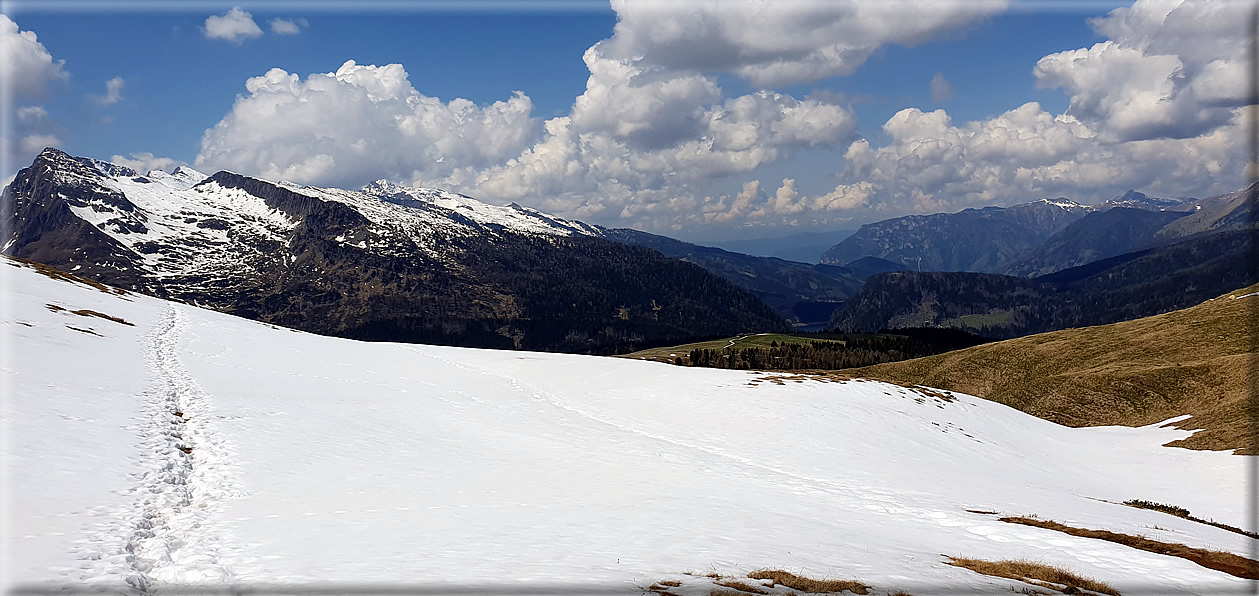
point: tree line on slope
(844, 351)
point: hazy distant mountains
(972, 240)
(1097, 235)
(381, 263)
(1013, 239)
(1111, 264)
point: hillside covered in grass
(1194, 361)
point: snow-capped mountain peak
(1060, 202)
(183, 178)
(512, 217)
(1133, 199)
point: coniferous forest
(829, 351)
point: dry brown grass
(91, 313)
(742, 586)
(1211, 559)
(661, 588)
(58, 274)
(1193, 361)
(1034, 573)
(810, 585)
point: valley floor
(165, 445)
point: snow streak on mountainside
(153, 444)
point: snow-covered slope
(171, 445)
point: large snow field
(315, 460)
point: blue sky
(644, 147)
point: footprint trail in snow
(167, 537)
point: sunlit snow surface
(314, 460)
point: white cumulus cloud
(1028, 153)
(27, 66)
(1169, 68)
(941, 88)
(32, 144)
(772, 44)
(145, 161)
(647, 142)
(287, 26)
(113, 92)
(235, 26)
(357, 124)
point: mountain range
(382, 263)
(1014, 239)
(389, 262)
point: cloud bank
(656, 142)
(27, 66)
(1159, 106)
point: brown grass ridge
(1211, 559)
(1193, 361)
(54, 273)
(742, 586)
(1034, 573)
(810, 585)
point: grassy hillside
(1195, 361)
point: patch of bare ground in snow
(767, 582)
(1211, 559)
(1037, 574)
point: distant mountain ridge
(1128, 286)
(991, 239)
(384, 262)
(1097, 235)
(1138, 200)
